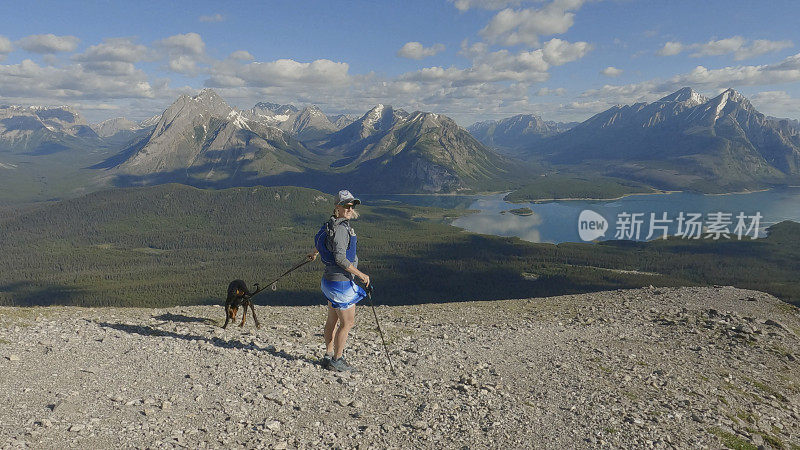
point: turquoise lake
(557, 221)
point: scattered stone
(419, 425)
(276, 397)
(772, 323)
(273, 425)
(672, 366)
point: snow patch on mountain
(237, 119)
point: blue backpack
(327, 231)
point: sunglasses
(350, 206)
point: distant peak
(685, 94)
(276, 108)
(730, 94)
(733, 95)
(207, 94)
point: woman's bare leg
(347, 318)
(330, 326)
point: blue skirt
(342, 294)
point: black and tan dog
(239, 295)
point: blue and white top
(337, 242)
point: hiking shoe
(326, 361)
(340, 365)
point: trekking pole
(386, 348)
(272, 284)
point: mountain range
(307, 124)
(41, 131)
(203, 141)
(411, 151)
(515, 134)
(682, 141)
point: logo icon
(591, 225)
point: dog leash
(272, 284)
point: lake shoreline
(659, 192)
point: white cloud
(282, 72)
(611, 71)
(558, 52)
(48, 43)
(625, 94)
(760, 47)
(770, 97)
(415, 50)
(95, 106)
(185, 52)
(741, 75)
(719, 47)
(503, 65)
(114, 56)
(702, 78)
(5, 47)
(737, 46)
(115, 49)
(671, 48)
(497, 66)
(219, 79)
(543, 92)
(190, 44)
(242, 55)
(212, 18)
(183, 64)
(29, 80)
(464, 5)
(777, 104)
(512, 27)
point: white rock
(273, 425)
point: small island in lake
(521, 211)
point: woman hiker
(336, 242)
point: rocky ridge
(683, 141)
(42, 130)
(518, 132)
(646, 368)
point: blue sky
(470, 59)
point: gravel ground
(646, 368)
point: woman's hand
(312, 255)
(361, 275)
